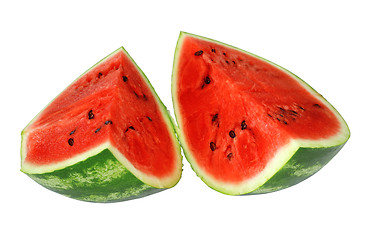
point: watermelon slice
(248, 126)
(107, 137)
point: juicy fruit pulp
(237, 111)
(112, 106)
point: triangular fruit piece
(107, 137)
(247, 125)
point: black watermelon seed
(294, 112)
(213, 50)
(215, 117)
(199, 53)
(285, 122)
(99, 75)
(282, 109)
(71, 141)
(227, 62)
(224, 54)
(91, 115)
(97, 130)
(207, 80)
(125, 78)
(270, 115)
(130, 127)
(108, 122)
(244, 125)
(234, 62)
(213, 146)
(317, 105)
(232, 134)
(72, 132)
(301, 108)
(149, 118)
(229, 156)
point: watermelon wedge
(106, 138)
(248, 126)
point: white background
(45, 45)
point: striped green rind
(100, 178)
(303, 164)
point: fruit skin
(301, 160)
(100, 178)
(302, 165)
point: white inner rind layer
(162, 182)
(280, 158)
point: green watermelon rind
(295, 162)
(100, 178)
(140, 184)
(304, 163)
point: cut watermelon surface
(107, 137)
(247, 125)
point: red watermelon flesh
(110, 103)
(236, 111)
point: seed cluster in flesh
(91, 115)
(232, 134)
